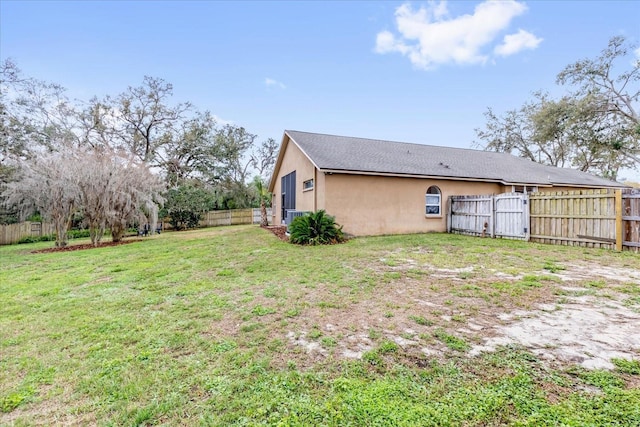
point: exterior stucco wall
(294, 160)
(374, 205)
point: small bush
(316, 228)
(79, 234)
(34, 239)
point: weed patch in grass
(598, 378)
(451, 341)
(388, 347)
(631, 367)
(552, 267)
(260, 310)
(315, 333)
(420, 320)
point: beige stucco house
(375, 187)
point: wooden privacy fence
(575, 218)
(232, 217)
(502, 215)
(589, 218)
(13, 233)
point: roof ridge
(404, 142)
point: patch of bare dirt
(279, 230)
(580, 318)
(85, 246)
(560, 322)
(579, 271)
(585, 330)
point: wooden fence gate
(503, 215)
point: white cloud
(637, 52)
(514, 43)
(222, 121)
(274, 83)
(429, 37)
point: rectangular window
(432, 204)
(307, 185)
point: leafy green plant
(260, 310)
(185, 204)
(451, 341)
(625, 366)
(388, 347)
(372, 358)
(552, 267)
(329, 342)
(315, 333)
(420, 320)
(315, 228)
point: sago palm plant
(315, 228)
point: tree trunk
(117, 231)
(264, 221)
(62, 225)
(96, 231)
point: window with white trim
(433, 201)
(307, 185)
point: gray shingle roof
(341, 153)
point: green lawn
(231, 326)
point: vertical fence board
(631, 220)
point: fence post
(492, 218)
(618, 220)
(449, 213)
(526, 212)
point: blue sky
(346, 68)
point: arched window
(433, 201)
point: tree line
(594, 127)
(120, 160)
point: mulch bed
(85, 246)
(279, 230)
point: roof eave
(403, 175)
(475, 179)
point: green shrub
(34, 239)
(316, 228)
(78, 234)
